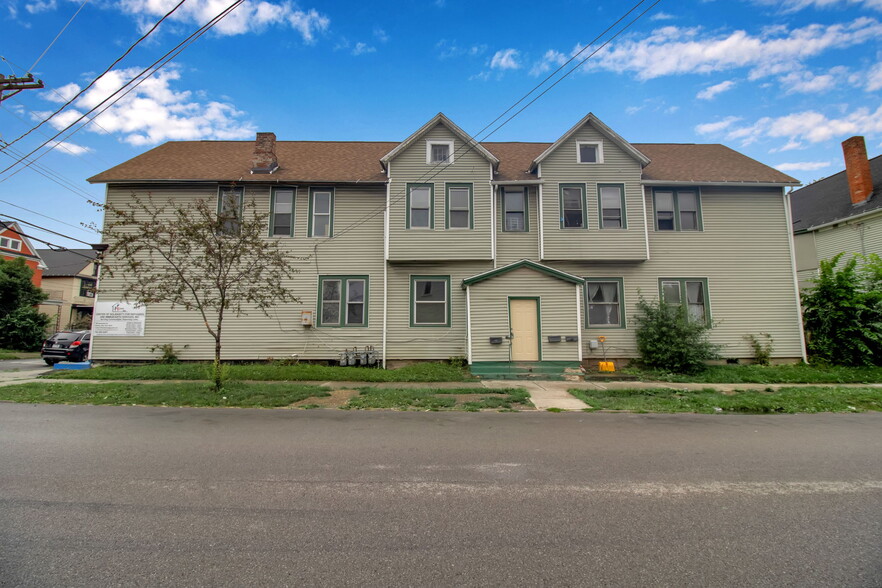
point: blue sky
(781, 81)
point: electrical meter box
(306, 318)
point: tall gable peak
(468, 141)
(604, 130)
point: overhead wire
(83, 229)
(54, 177)
(130, 85)
(51, 246)
(64, 28)
(5, 216)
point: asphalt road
(98, 496)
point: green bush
(668, 340)
(23, 329)
(842, 312)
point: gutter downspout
(786, 200)
(579, 320)
(469, 324)
(386, 258)
(541, 219)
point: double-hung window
(612, 206)
(514, 210)
(87, 287)
(420, 206)
(589, 152)
(677, 210)
(459, 206)
(439, 152)
(321, 212)
(690, 294)
(343, 301)
(282, 212)
(572, 206)
(605, 302)
(229, 209)
(430, 301)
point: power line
(51, 246)
(92, 83)
(130, 85)
(45, 229)
(48, 217)
(48, 174)
(58, 35)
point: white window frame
(597, 144)
(10, 243)
(430, 143)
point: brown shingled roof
(341, 161)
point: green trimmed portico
(523, 319)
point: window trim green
(435, 278)
(502, 210)
(431, 187)
(675, 193)
(344, 291)
(272, 218)
(621, 188)
(310, 230)
(538, 300)
(471, 189)
(583, 200)
(621, 285)
(684, 302)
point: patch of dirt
(337, 399)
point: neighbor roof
(65, 263)
(359, 162)
(829, 200)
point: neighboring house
(14, 243)
(438, 247)
(70, 280)
(839, 214)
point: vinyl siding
(805, 252)
(513, 246)
(358, 251)
(592, 244)
(439, 243)
(490, 314)
(863, 237)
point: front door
(524, 318)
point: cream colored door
(524, 318)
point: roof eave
(719, 183)
(604, 130)
(440, 118)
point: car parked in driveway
(66, 346)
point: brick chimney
(857, 169)
(264, 160)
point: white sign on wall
(118, 319)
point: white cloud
(69, 148)
(250, 16)
(874, 78)
(793, 5)
(789, 146)
(662, 16)
(803, 166)
(716, 127)
(153, 112)
(362, 48)
(775, 51)
(711, 92)
(505, 59)
(41, 6)
(806, 82)
(380, 35)
(633, 109)
(550, 59)
(449, 49)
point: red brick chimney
(857, 169)
(264, 160)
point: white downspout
(386, 258)
(645, 220)
(494, 195)
(469, 324)
(786, 200)
(541, 222)
(579, 320)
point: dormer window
(440, 152)
(589, 152)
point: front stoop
(527, 370)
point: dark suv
(66, 346)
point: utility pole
(16, 85)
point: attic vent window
(13, 244)
(589, 152)
(439, 152)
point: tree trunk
(218, 378)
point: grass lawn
(469, 399)
(420, 372)
(262, 395)
(12, 354)
(775, 374)
(785, 400)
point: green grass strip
(775, 374)
(235, 394)
(785, 400)
(420, 372)
(439, 399)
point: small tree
(842, 312)
(193, 257)
(668, 340)
(21, 325)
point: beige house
(69, 279)
(437, 246)
(839, 214)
